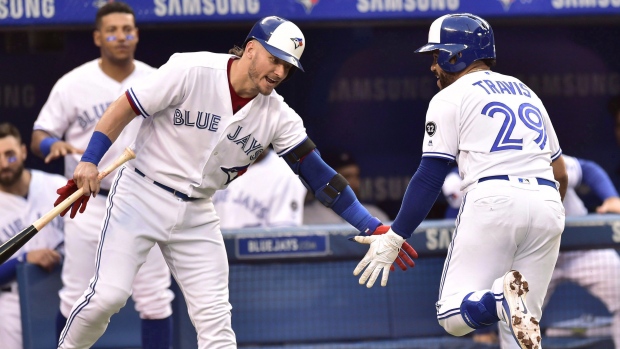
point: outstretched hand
(65, 192)
(405, 254)
(60, 149)
(384, 250)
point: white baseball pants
(140, 214)
(502, 226)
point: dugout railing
(294, 288)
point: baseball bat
(16, 242)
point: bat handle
(127, 155)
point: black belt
(505, 178)
(178, 194)
(6, 289)
(104, 192)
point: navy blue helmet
(282, 38)
(463, 33)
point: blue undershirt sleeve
(8, 271)
(317, 173)
(597, 179)
(421, 193)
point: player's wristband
(46, 145)
(97, 147)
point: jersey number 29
(528, 114)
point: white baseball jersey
(268, 195)
(190, 139)
(76, 104)
(16, 214)
(491, 124)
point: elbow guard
(330, 192)
(294, 157)
(315, 174)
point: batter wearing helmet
(509, 225)
(207, 118)
(71, 111)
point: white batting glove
(383, 251)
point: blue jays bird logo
(308, 4)
(234, 172)
(299, 42)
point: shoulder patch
(431, 128)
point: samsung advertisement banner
(80, 12)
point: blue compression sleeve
(97, 147)
(596, 178)
(422, 191)
(8, 271)
(46, 145)
(317, 173)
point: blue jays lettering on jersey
(201, 120)
(254, 145)
(88, 118)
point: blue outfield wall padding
(297, 302)
(412, 296)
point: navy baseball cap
(282, 38)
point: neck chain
(475, 70)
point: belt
(104, 192)
(6, 289)
(541, 181)
(174, 192)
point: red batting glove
(405, 254)
(65, 192)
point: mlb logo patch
(524, 181)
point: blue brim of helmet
(430, 47)
(276, 52)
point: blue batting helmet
(282, 38)
(463, 33)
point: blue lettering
(233, 136)
(215, 123)
(255, 145)
(178, 117)
(479, 83)
(491, 86)
(187, 122)
(260, 151)
(199, 123)
(526, 92)
(504, 86)
(517, 87)
(243, 141)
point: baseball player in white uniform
(72, 110)
(267, 195)
(25, 196)
(509, 225)
(598, 270)
(207, 118)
